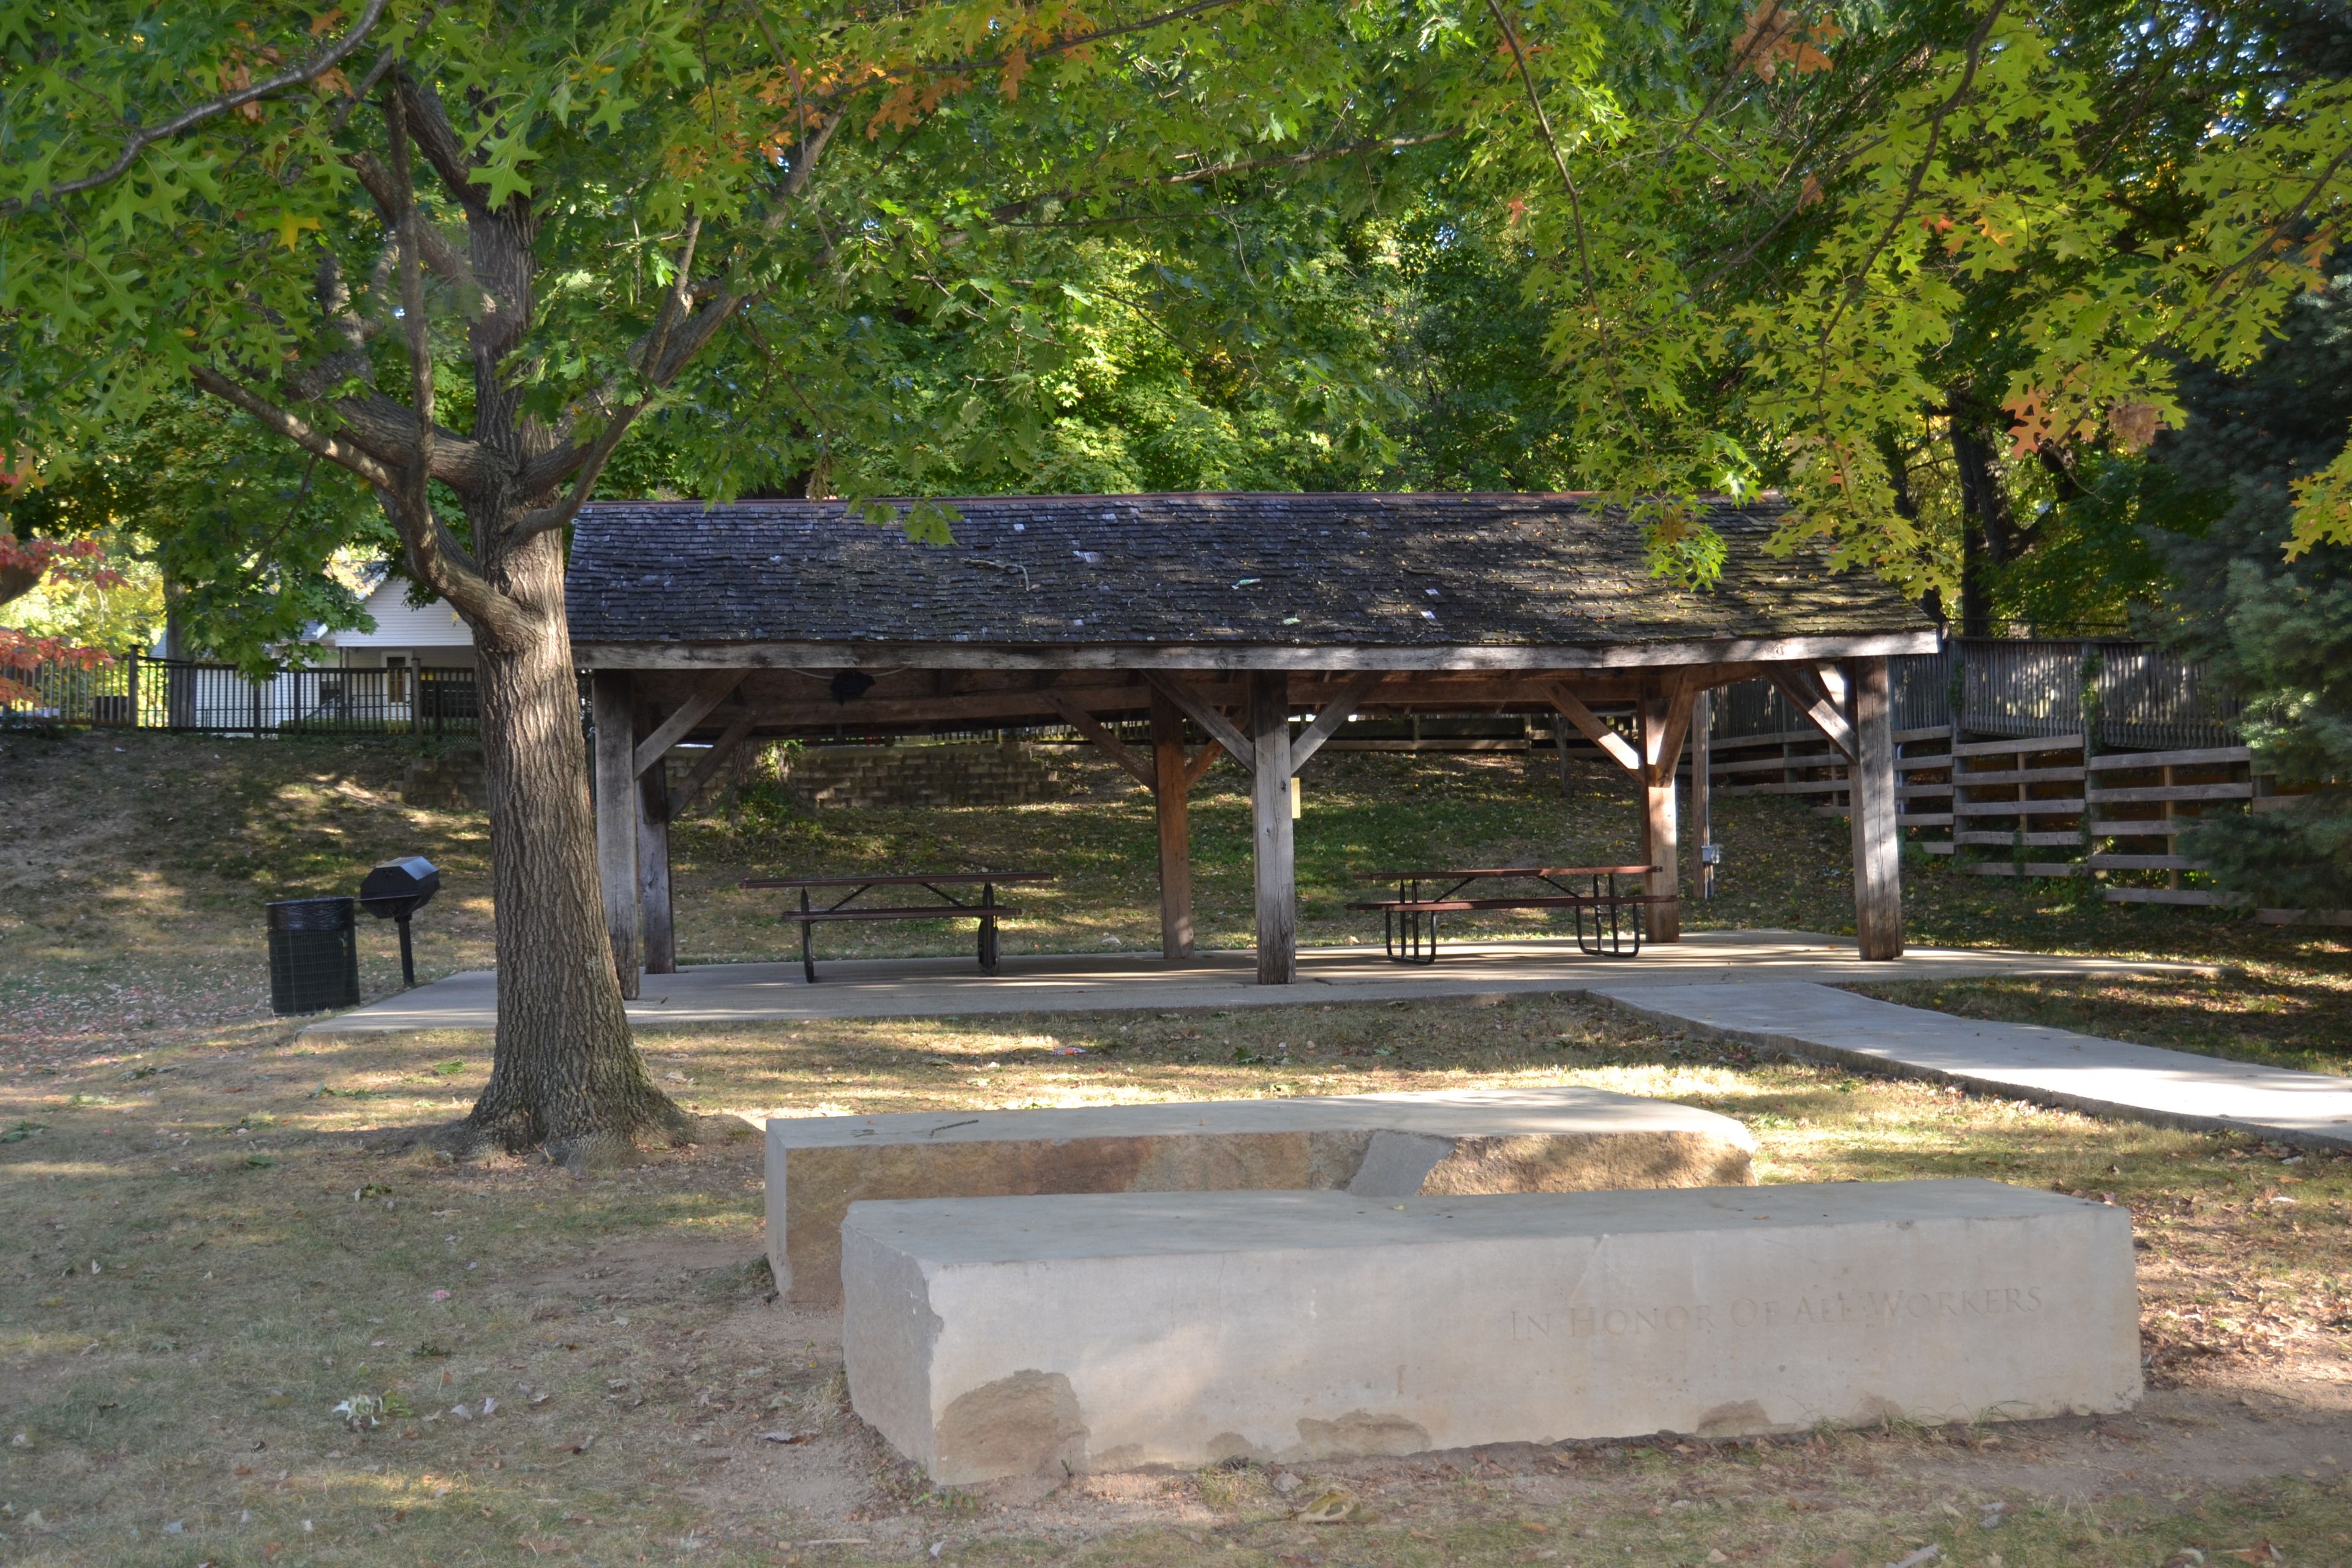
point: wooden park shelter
(1264, 620)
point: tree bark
(564, 1074)
(1991, 537)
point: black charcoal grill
(395, 890)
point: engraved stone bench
(992, 1337)
(1375, 1145)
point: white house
(406, 636)
(386, 677)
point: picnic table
(986, 909)
(1409, 920)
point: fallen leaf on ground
(1328, 1507)
(786, 1436)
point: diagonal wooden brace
(690, 788)
(674, 729)
(1311, 740)
(1572, 709)
(1086, 724)
(1809, 694)
(1662, 752)
(1219, 728)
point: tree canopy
(1925, 266)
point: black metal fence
(138, 692)
(2144, 698)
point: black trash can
(314, 955)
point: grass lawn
(213, 1237)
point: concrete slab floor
(1073, 983)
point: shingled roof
(1289, 571)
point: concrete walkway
(949, 987)
(2023, 1061)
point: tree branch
(1974, 58)
(435, 248)
(1243, 166)
(316, 67)
(1059, 46)
(430, 130)
(1560, 159)
(412, 307)
(668, 350)
(442, 564)
(292, 427)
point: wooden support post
(1662, 746)
(2171, 840)
(1270, 838)
(611, 705)
(1870, 792)
(1171, 803)
(653, 871)
(1702, 746)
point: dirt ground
(212, 1247)
(214, 1233)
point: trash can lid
(310, 914)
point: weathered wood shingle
(1288, 570)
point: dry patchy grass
(262, 1252)
(211, 1237)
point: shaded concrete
(1071, 982)
(2024, 1061)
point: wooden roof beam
(1201, 657)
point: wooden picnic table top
(909, 879)
(1514, 871)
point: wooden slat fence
(2145, 698)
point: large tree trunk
(1992, 539)
(564, 1074)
